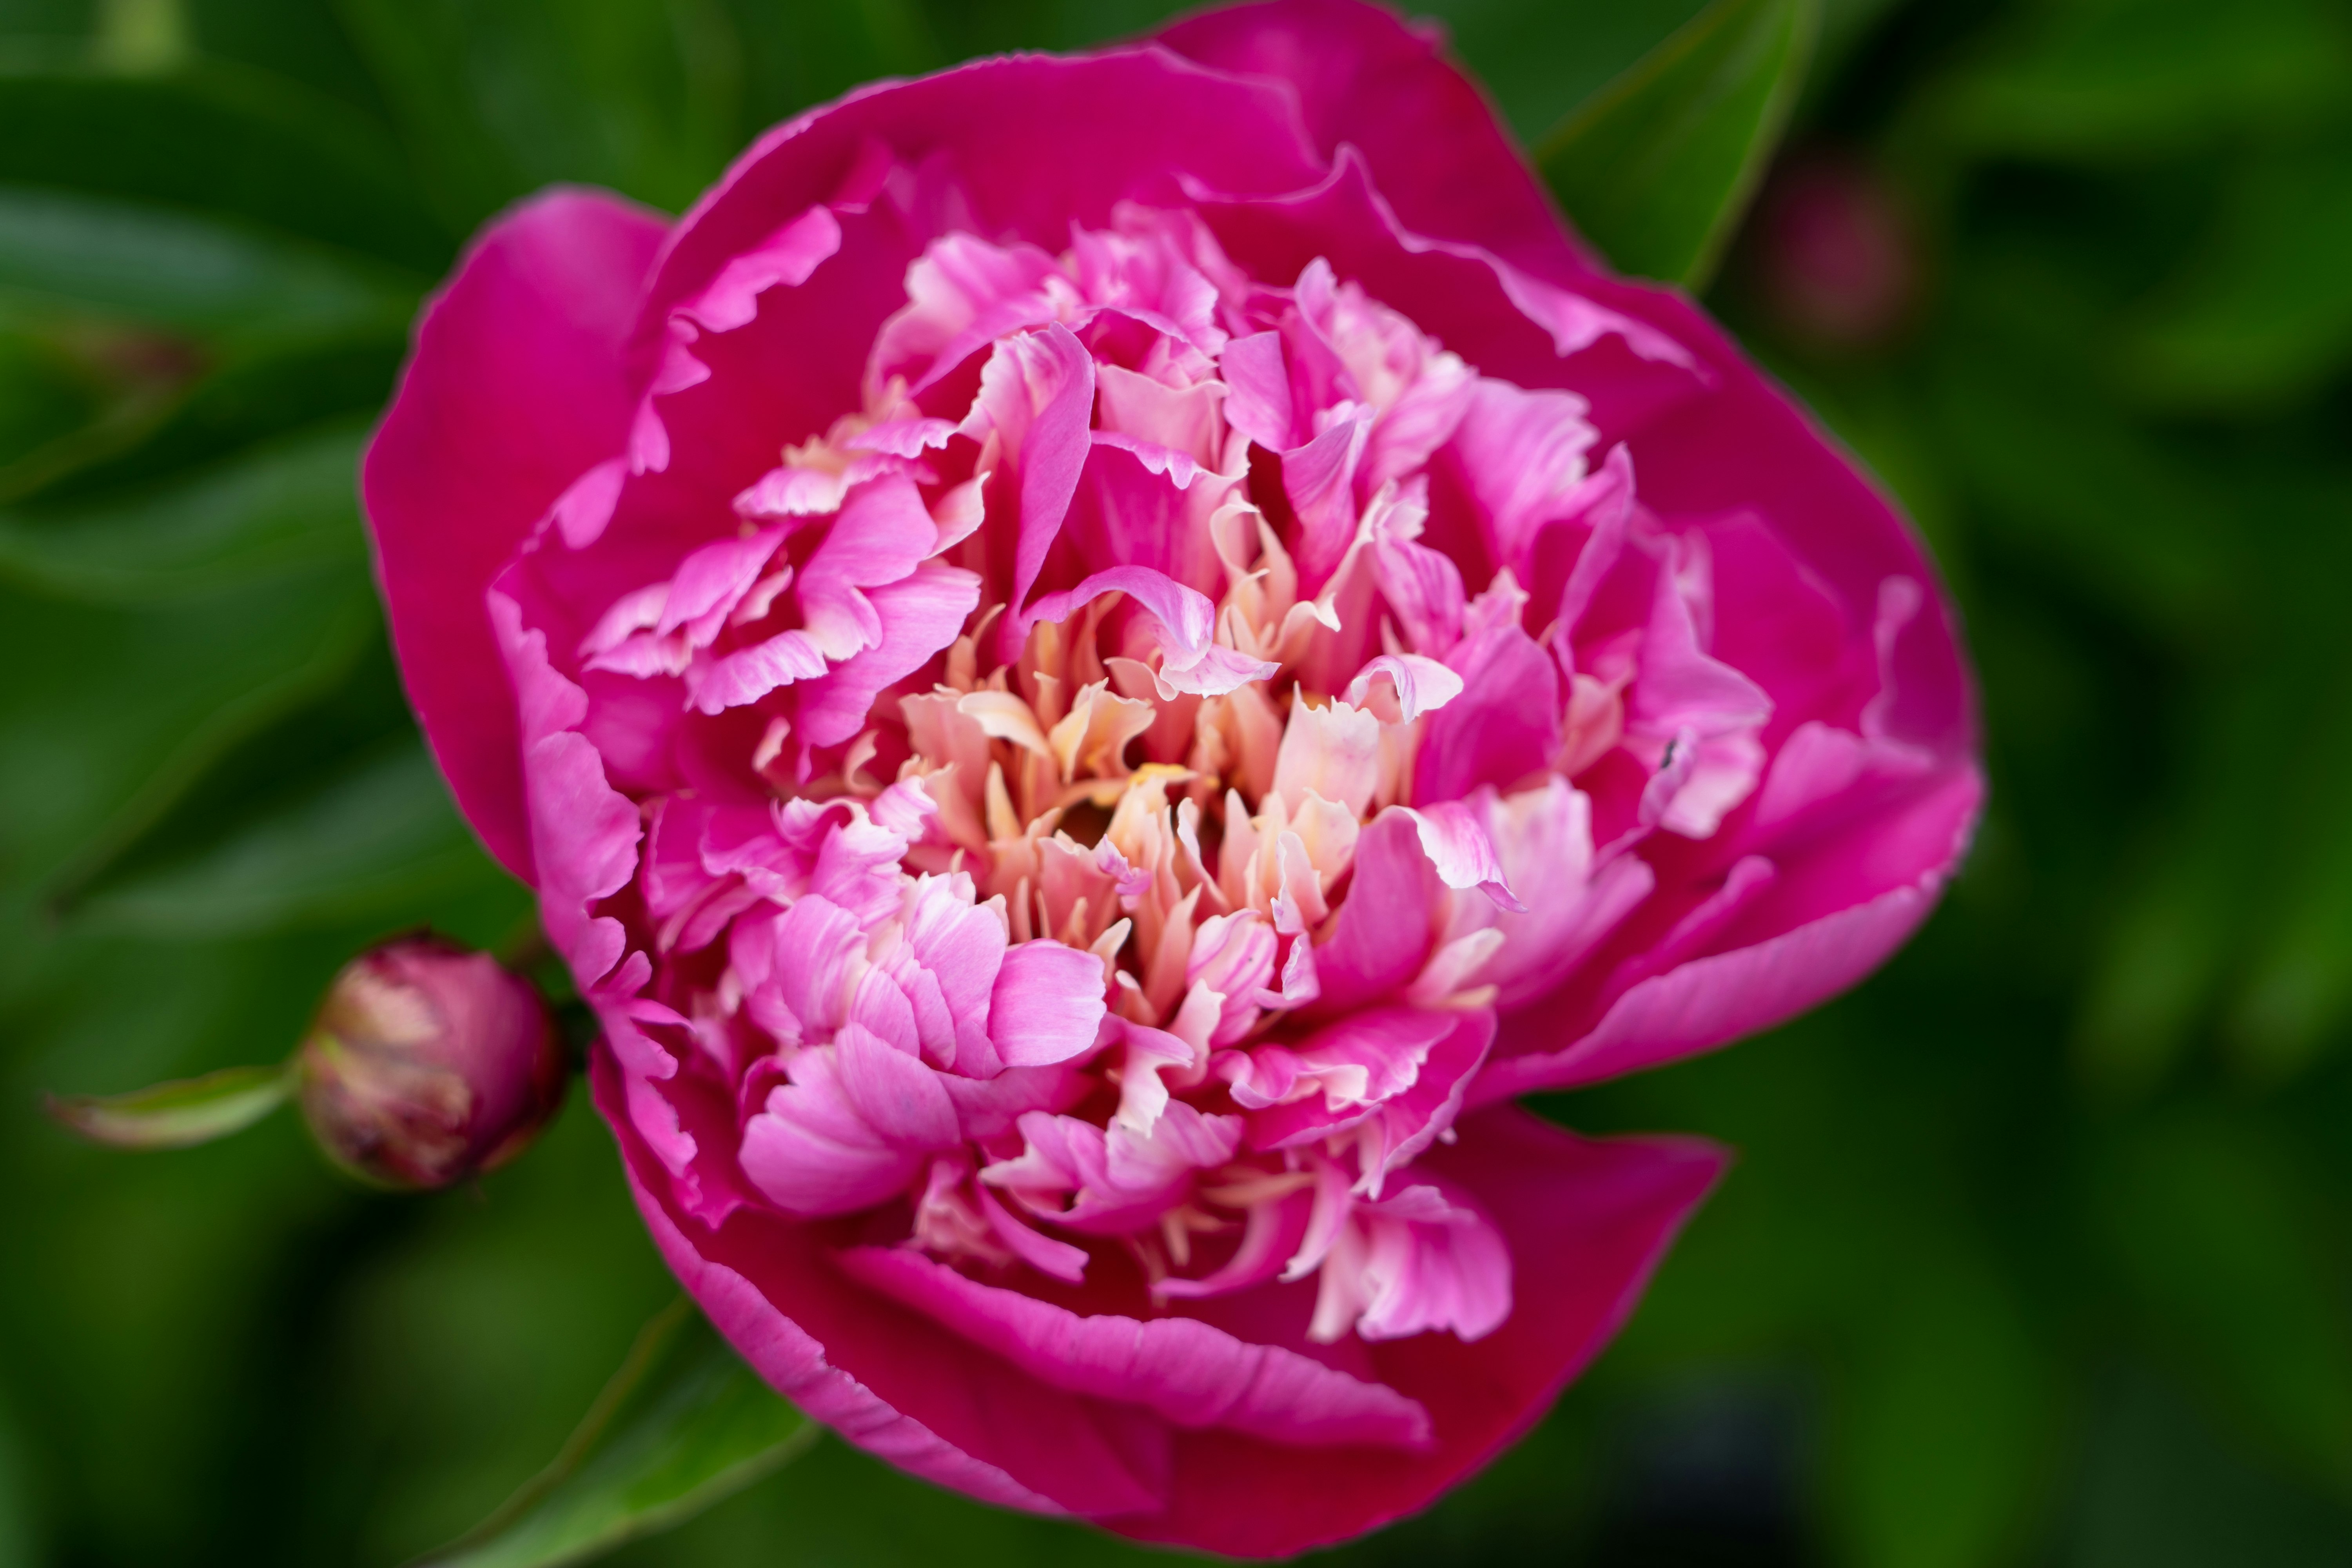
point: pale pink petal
(1422, 685)
(1455, 841)
(811, 1151)
(1047, 1004)
(1037, 395)
(785, 258)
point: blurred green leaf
(2266, 314)
(2218, 1230)
(497, 100)
(2297, 993)
(298, 41)
(682, 1424)
(1942, 1425)
(121, 710)
(794, 57)
(2064, 479)
(176, 1115)
(45, 393)
(2161, 967)
(382, 836)
(2134, 80)
(179, 271)
(291, 508)
(1540, 58)
(195, 425)
(215, 139)
(1658, 167)
(140, 36)
(2163, 1486)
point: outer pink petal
(1710, 435)
(990, 126)
(1587, 1223)
(515, 389)
(779, 1348)
(1713, 1000)
(1365, 77)
(1191, 1373)
(1745, 444)
(884, 1376)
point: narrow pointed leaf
(683, 1424)
(1657, 167)
(176, 1115)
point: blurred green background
(2037, 1253)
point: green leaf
(376, 840)
(1657, 167)
(292, 506)
(1940, 1440)
(2298, 989)
(497, 100)
(118, 711)
(251, 399)
(2126, 80)
(181, 270)
(2151, 984)
(215, 139)
(683, 1424)
(2266, 314)
(45, 394)
(176, 1115)
(2225, 1235)
(2064, 479)
(1540, 58)
(2163, 1485)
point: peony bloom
(428, 1064)
(1094, 661)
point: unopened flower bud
(428, 1064)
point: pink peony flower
(1094, 661)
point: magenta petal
(810, 1153)
(1191, 1374)
(584, 833)
(1745, 447)
(1037, 395)
(1384, 929)
(1503, 727)
(1365, 78)
(900, 1096)
(1586, 1222)
(863, 1364)
(1258, 401)
(515, 389)
(1713, 1000)
(785, 257)
(1148, 113)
